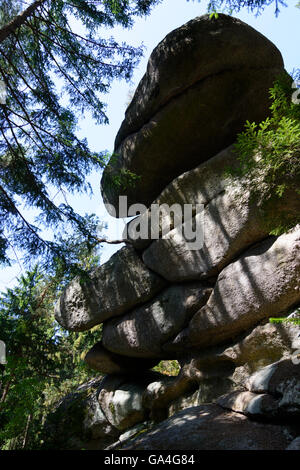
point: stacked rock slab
(272, 392)
(203, 81)
(110, 290)
(231, 219)
(144, 331)
(207, 306)
(261, 283)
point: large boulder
(229, 224)
(203, 81)
(209, 427)
(260, 346)
(112, 289)
(225, 368)
(262, 283)
(121, 402)
(198, 186)
(143, 331)
(78, 422)
(273, 392)
(164, 392)
(261, 406)
(107, 362)
(281, 379)
(121, 398)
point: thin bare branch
(112, 242)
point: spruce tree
(42, 41)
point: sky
(283, 31)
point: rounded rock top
(203, 81)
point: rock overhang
(204, 79)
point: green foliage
(125, 179)
(292, 316)
(119, 177)
(269, 153)
(55, 66)
(78, 253)
(234, 6)
(44, 362)
(295, 321)
(171, 368)
(254, 6)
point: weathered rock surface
(231, 222)
(127, 435)
(225, 368)
(159, 395)
(251, 404)
(274, 392)
(208, 306)
(142, 332)
(78, 422)
(228, 225)
(262, 283)
(186, 99)
(262, 345)
(234, 362)
(198, 186)
(294, 445)
(121, 399)
(185, 401)
(209, 427)
(260, 405)
(105, 361)
(122, 403)
(279, 379)
(113, 288)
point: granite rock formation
(205, 79)
(210, 306)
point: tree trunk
(11, 27)
(25, 438)
(5, 391)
